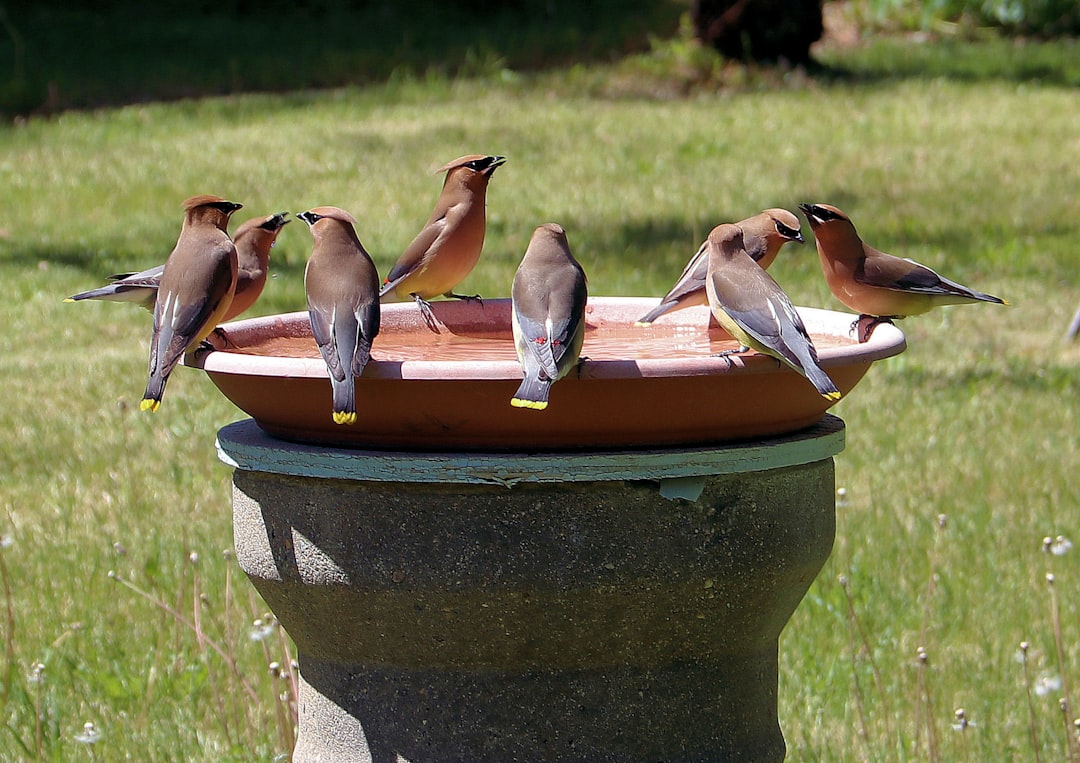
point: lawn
(122, 606)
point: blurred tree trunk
(759, 30)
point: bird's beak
(813, 214)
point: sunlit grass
(977, 421)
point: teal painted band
(244, 446)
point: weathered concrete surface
(593, 621)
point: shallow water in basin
(601, 343)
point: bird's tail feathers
(532, 393)
(653, 314)
(344, 400)
(822, 383)
(155, 390)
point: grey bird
(752, 307)
(548, 314)
(764, 234)
(342, 288)
(253, 241)
(196, 289)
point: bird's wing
(323, 320)
(693, 275)
(189, 318)
(367, 320)
(149, 277)
(564, 320)
(536, 338)
(418, 250)
(896, 273)
(761, 309)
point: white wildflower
(89, 734)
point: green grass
(977, 420)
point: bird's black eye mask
(274, 222)
(820, 213)
(485, 164)
(228, 207)
(788, 232)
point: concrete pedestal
(619, 607)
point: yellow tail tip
(149, 404)
(536, 405)
(68, 299)
(642, 324)
(831, 396)
(344, 417)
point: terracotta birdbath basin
(637, 387)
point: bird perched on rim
(764, 234)
(548, 314)
(752, 307)
(196, 289)
(877, 285)
(342, 287)
(448, 247)
(253, 241)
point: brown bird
(448, 247)
(253, 241)
(196, 289)
(878, 286)
(548, 314)
(342, 287)
(764, 234)
(752, 307)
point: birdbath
(605, 580)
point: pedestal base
(589, 619)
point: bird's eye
(786, 231)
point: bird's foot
(580, 365)
(726, 355)
(202, 349)
(864, 325)
(426, 311)
(222, 336)
(465, 297)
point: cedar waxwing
(448, 247)
(253, 241)
(342, 287)
(878, 286)
(764, 234)
(757, 313)
(548, 314)
(197, 285)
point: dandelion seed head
(193, 557)
(262, 629)
(942, 521)
(89, 734)
(1060, 546)
(1050, 578)
(37, 673)
(1047, 684)
(6, 541)
(962, 722)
